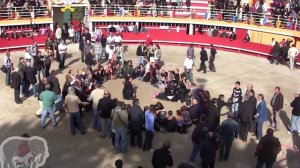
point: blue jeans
(96, 119)
(39, 74)
(51, 112)
(235, 109)
(189, 75)
(121, 140)
(196, 150)
(75, 119)
(295, 123)
(77, 37)
(260, 164)
(141, 59)
(259, 126)
(59, 103)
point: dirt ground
(90, 151)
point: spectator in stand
(232, 36)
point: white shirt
(71, 32)
(188, 63)
(109, 39)
(58, 33)
(118, 39)
(110, 54)
(272, 43)
(293, 52)
(130, 28)
(62, 48)
(27, 56)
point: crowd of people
(105, 60)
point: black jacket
(29, 75)
(278, 105)
(55, 87)
(128, 90)
(41, 88)
(203, 55)
(213, 116)
(268, 148)
(38, 63)
(105, 105)
(136, 117)
(139, 51)
(246, 112)
(220, 104)
(200, 132)
(162, 158)
(208, 150)
(15, 80)
(296, 106)
(89, 59)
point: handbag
(4, 69)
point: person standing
(292, 54)
(38, 65)
(295, 126)
(128, 90)
(267, 150)
(8, 65)
(62, 50)
(41, 87)
(47, 63)
(229, 131)
(16, 83)
(136, 120)
(140, 53)
(190, 51)
(277, 105)
(261, 115)
(30, 79)
(58, 34)
(55, 87)
(149, 128)
(98, 50)
(275, 53)
(212, 57)
(188, 68)
(245, 118)
(120, 125)
(198, 137)
(208, 151)
(89, 59)
(162, 157)
(95, 96)
(22, 66)
(236, 98)
(82, 44)
(72, 103)
(104, 108)
(203, 59)
(120, 53)
(71, 32)
(87, 48)
(48, 99)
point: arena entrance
(63, 14)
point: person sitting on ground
(180, 122)
(170, 122)
(162, 157)
(247, 38)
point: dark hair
(152, 108)
(178, 112)
(221, 96)
(277, 87)
(270, 131)
(238, 82)
(188, 102)
(146, 108)
(214, 100)
(135, 102)
(262, 96)
(230, 115)
(158, 46)
(119, 163)
(183, 108)
(170, 112)
(166, 145)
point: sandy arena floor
(90, 151)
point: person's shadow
(285, 120)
